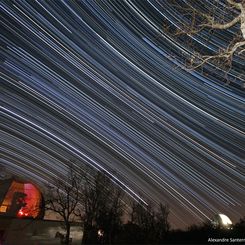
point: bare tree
(103, 208)
(64, 199)
(198, 20)
(162, 221)
(153, 223)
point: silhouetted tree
(144, 217)
(239, 227)
(153, 225)
(63, 198)
(103, 209)
(162, 222)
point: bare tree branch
(226, 54)
(197, 22)
(212, 24)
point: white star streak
(100, 84)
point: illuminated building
(222, 221)
(20, 199)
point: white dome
(225, 219)
(222, 220)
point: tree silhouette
(103, 208)
(152, 224)
(162, 222)
(239, 227)
(63, 198)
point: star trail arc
(96, 81)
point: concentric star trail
(98, 82)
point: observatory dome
(222, 221)
(20, 199)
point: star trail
(100, 83)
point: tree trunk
(89, 235)
(67, 236)
(86, 231)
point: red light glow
(31, 198)
(22, 213)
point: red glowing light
(21, 213)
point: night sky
(99, 83)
